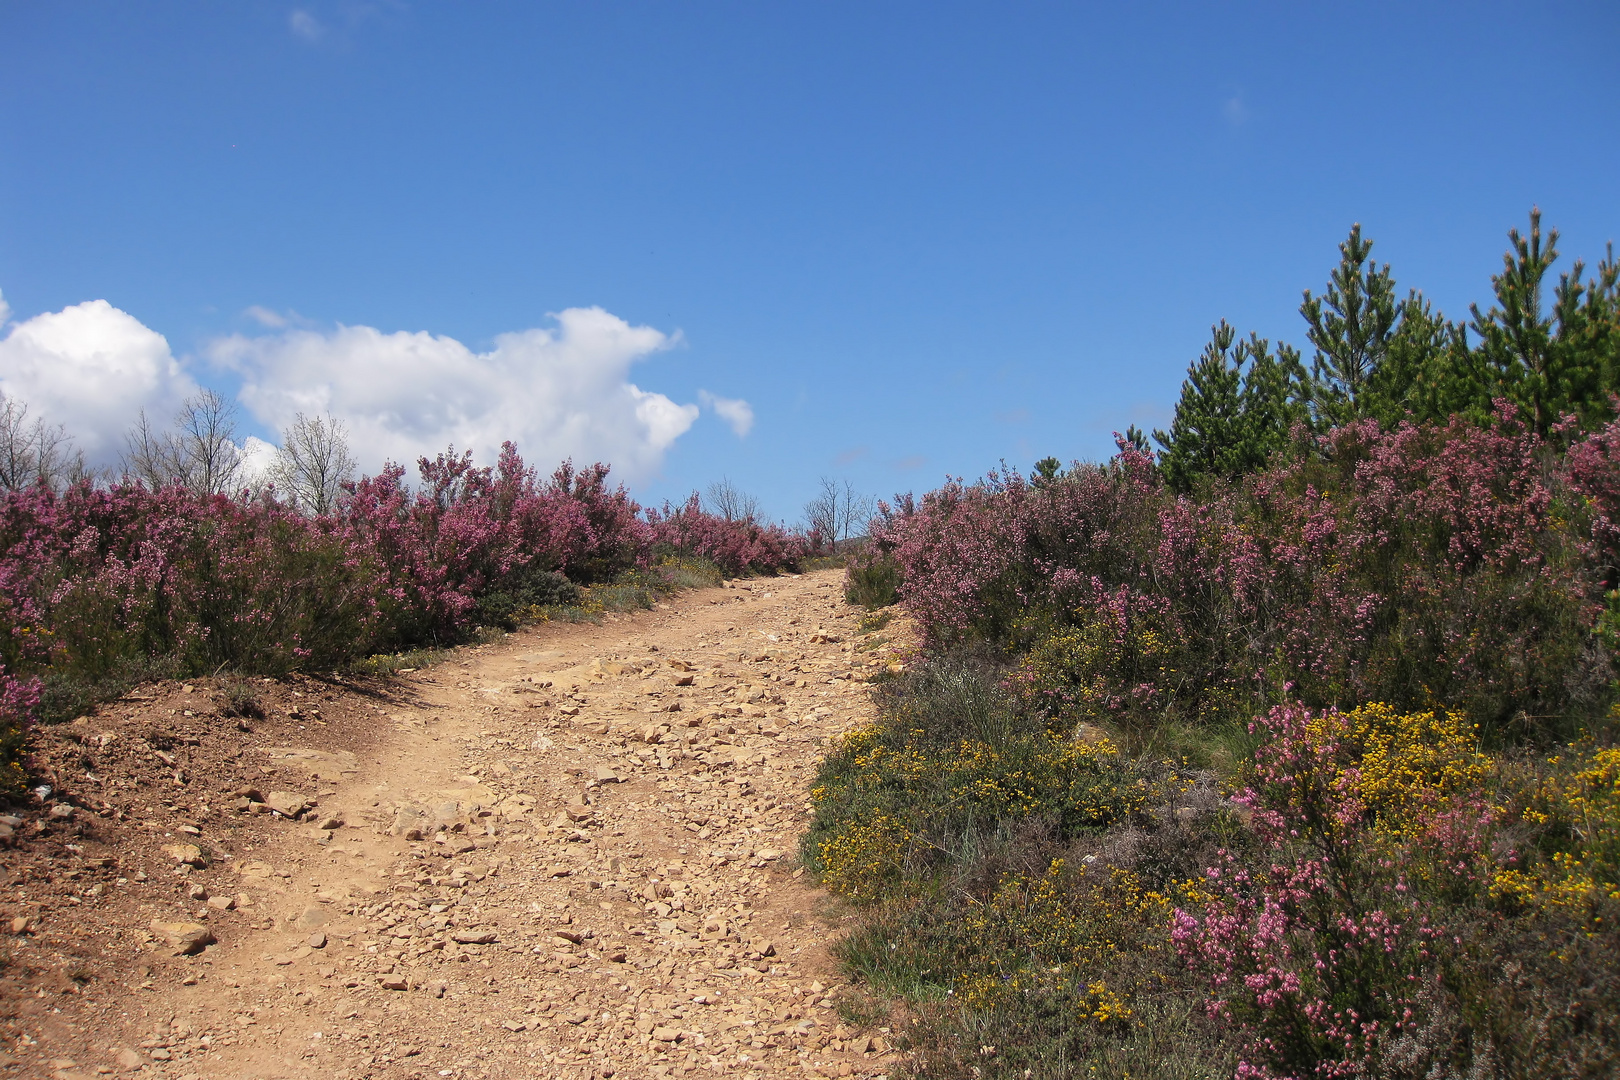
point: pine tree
(1208, 416)
(1231, 417)
(1549, 366)
(1428, 371)
(1352, 326)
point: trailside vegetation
(104, 586)
(1286, 752)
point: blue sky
(915, 238)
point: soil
(570, 853)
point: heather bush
(1437, 563)
(101, 588)
(19, 698)
(736, 546)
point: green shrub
(950, 756)
(532, 588)
(872, 579)
(690, 572)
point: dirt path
(570, 854)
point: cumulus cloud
(92, 368)
(734, 411)
(557, 392)
(258, 461)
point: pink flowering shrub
(736, 547)
(1326, 944)
(100, 586)
(1424, 563)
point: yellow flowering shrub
(1410, 764)
(862, 858)
(1575, 809)
(885, 786)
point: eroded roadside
(566, 854)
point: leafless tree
(313, 463)
(837, 512)
(34, 453)
(200, 453)
(725, 499)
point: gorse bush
(947, 760)
(101, 587)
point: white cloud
(305, 25)
(557, 393)
(734, 411)
(92, 368)
(258, 458)
(5, 311)
(265, 317)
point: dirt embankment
(567, 854)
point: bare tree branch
(200, 453)
(34, 453)
(725, 499)
(837, 512)
(313, 463)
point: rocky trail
(571, 853)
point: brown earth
(567, 854)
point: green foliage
(871, 579)
(1394, 360)
(530, 588)
(950, 756)
(1553, 364)
(1235, 411)
(1048, 468)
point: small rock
(764, 947)
(667, 1034)
(127, 1058)
(187, 854)
(185, 938)
(197, 892)
(313, 917)
(605, 775)
(62, 812)
(474, 937)
(287, 803)
(394, 982)
(317, 940)
(222, 903)
(329, 822)
(20, 925)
